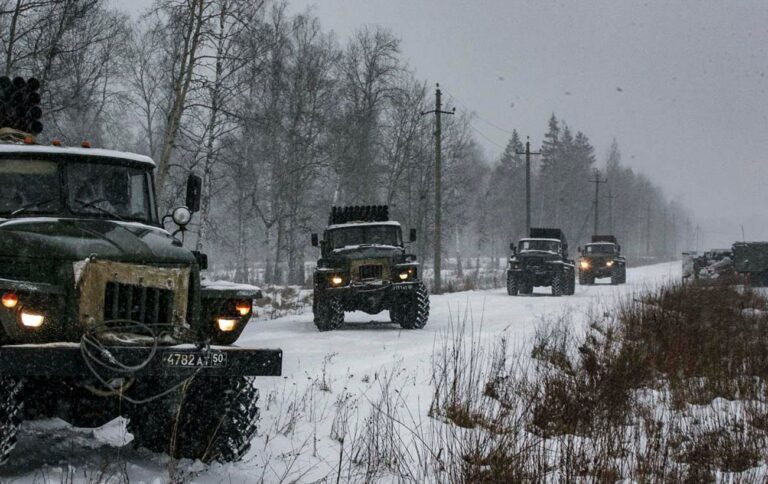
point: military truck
(105, 313)
(602, 258)
(364, 266)
(750, 262)
(541, 260)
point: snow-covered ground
(329, 383)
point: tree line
(283, 120)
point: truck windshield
(544, 245)
(29, 187)
(365, 235)
(92, 189)
(109, 191)
(601, 249)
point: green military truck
(541, 260)
(105, 313)
(364, 266)
(750, 262)
(600, 259)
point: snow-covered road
(322, 373)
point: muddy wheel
(412, 312)
(329, 314)
(558, 284)
(512, 288)
(11, 408)
(571, 284)
(211, 419)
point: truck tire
(558, 284)
(571, 284)
(11, 409)
(616, 275)
(623, 274)
(328, 314)
(512, 288)
(412, 312)
(582, 278)
(211, 419)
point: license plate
(196, 360)
(402, 287)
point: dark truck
(541, 260)
(750, 262)
(602, 258)
(364, 266)
(105, 313)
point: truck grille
(146, 305)
(370, 271)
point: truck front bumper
(66, 360)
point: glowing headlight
(336, 280)
(584, 264)
(31, 320)
(403, 276)
(609, 263)
(226, 324)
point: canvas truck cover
(750, 256)
(604, 238)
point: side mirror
(618, 248)
(512, 246)
(202, 259)
(579, 249)
(412, 235)
(315, 242)
(194, 192)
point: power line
(486, 137)
(475, 113)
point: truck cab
(364, 266)
(541, 260)
(602, 258)
(106, 311)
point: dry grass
(666, 387)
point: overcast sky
(682, 85)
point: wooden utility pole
(528, 154)
(438, 249)
(597, 181)
(611, 196)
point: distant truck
(541, 260)
(364, 266)
(602, 258)
(750, 261)
(712, 264)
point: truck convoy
(104, 312)
(602, 258)
(541, 260)
(364, 266)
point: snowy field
(330, 383)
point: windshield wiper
(92, 204)
(26, 207)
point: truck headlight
(403, 276)
(584, 264)
(336, 280)
(32, 320)
(226, 324)
(609, 263)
